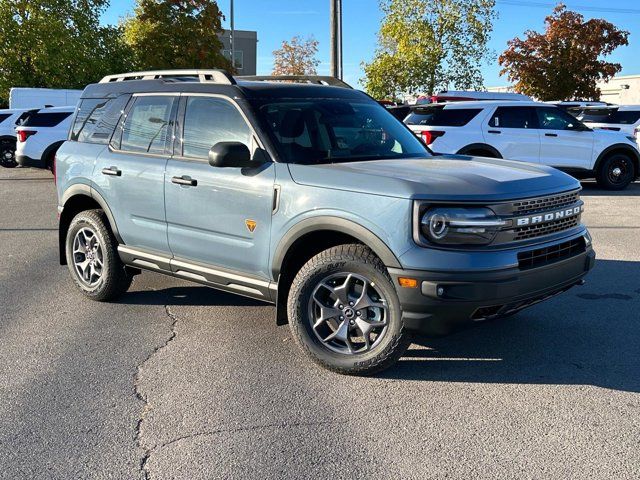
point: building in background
(246, 50)
(622, 90)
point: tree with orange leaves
(296, 57)
(566, 61)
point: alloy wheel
(7, 155)
(619, 170)
(88, 259)
(348, 314)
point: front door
(563, 143)
(130, 173)
(220, 217)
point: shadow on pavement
(591, 189)
(589, 335)
(188, 295)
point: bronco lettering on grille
(548, 217)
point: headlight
(459, 226)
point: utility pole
(335, 26)
(231, 35)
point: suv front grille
(554, 253)
(533, 231)
(535, 205)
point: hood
(446, 177)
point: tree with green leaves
(567, 60)
(57, 44)
(427, 45)
(166, 34)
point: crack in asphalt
(143, 398)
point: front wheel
(344, 312)
(8, 153)
(92, 257)
(616, 172)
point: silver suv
(310, 195)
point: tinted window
(556, 119)
(624, 117)
(442, 117)
(45, 119)
(4, 116)
(513, 117)
(97, 118)
(146, 128)
(325, 130)
(23, 116)
(210, 120)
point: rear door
(217, 216)
(513, 132)
(130, 172)
(563, 141)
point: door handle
(497, 132)
(185, 180)
(114, 171)
(550, 134)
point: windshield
(317, 130)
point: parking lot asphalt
(175, 380)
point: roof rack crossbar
(212, 76)
(315, 79)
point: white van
(27, 98)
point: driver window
(555, 119)
(209, 120)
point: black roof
(247, 89)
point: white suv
(9, 119)
(617, 118)
(41, 134)
(531, 132)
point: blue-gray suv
(310, 195)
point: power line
(524, 3)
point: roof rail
(213, 76)
(316, 79)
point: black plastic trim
(479, 146)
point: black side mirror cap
(231, 154)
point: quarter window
(513, 117)
(209, 120)
(4, 116)
(97, 119)
(441, 117)
(46, 119)
(146, 127)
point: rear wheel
(616, 172)
(8, 153)
(344, 312)
(93, 259)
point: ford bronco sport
(313, 197)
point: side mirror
(230, 154)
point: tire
(318, 280)
(111, 279)
(8, 153)
(616, 172)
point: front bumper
(25, 161)
(443, 300)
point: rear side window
(209, 120)
(147, 125)
(46, 119)
(513, 117)
(441, 117)
(4, 116)
(97, 119)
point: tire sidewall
(299, 315)
(80, 222)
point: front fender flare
(337, 224)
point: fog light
(408, 282)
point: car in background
(617, 118)
(468, 96)
(531, 132)
(40, 136)
(575, 107)
(9, 120)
